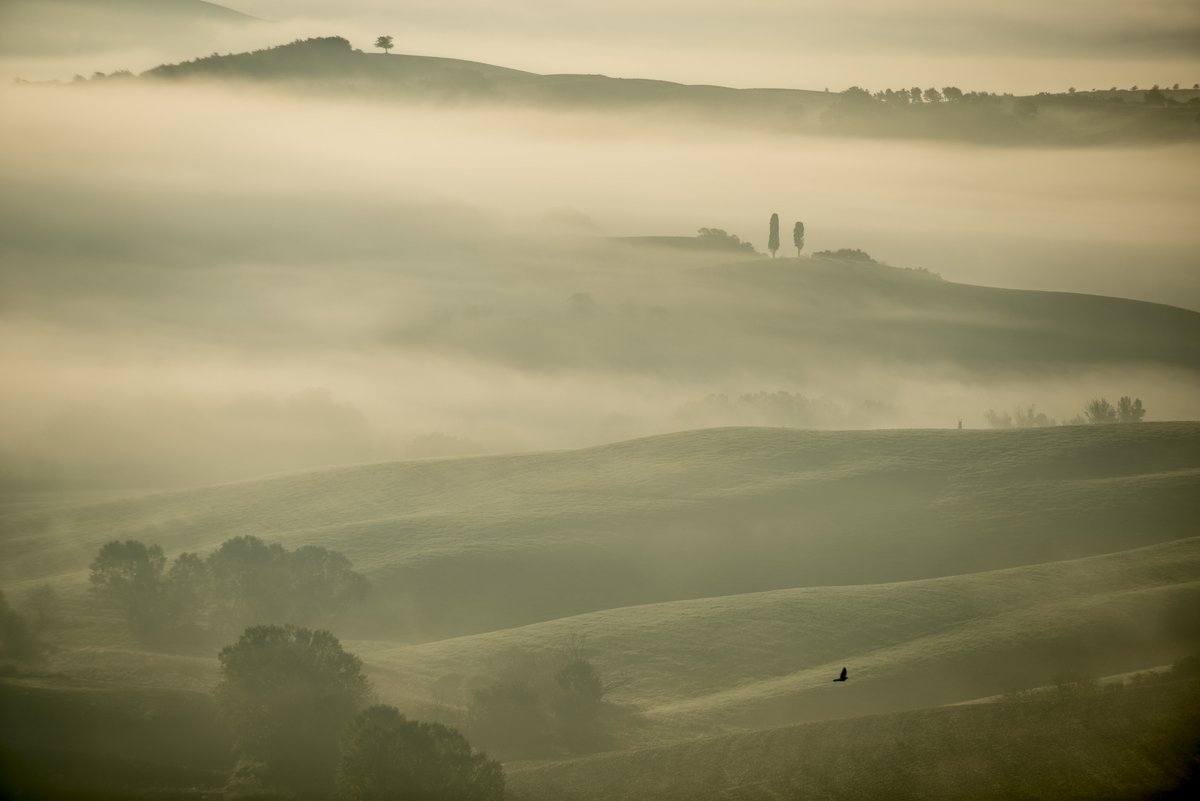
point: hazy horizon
(1023, 48)
(329, 314)
(380, 426)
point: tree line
(1097, 412)
(305, 726)
(300, 709)
(542, 707)
(773, 236)
(245, 581)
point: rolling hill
(718, 579)
(71, 26)
(331, 63)
(715, 512)
(720, 664)
(790, 316)
(1128, 743)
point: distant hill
(81, 26)
(786, 315)
(478, 543)
(333, 64)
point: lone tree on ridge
(384, 43)
(798, 237)
(773, 239)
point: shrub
(287, 692)
(385, 756)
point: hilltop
(783, 314)
(332, 64)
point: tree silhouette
(1130, 410)
(130, 573)
(287, 692)
(933, 95)
(384, 43)
(577, 705)
(952, 93)
(507, 718)
(798, 237)
(1099, 410)
(385, 756)
(773, 239)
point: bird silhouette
(841, 677)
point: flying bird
(841, 677)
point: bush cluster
(245, 581)
(541, 709)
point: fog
(1018, 47)
(1021, 47)
(208, 282)
(726, 514)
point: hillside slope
(762, 659)
(1131, 743)
(332, 62)
(789, 316)
(462, 545)
(72, 26)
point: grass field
(1124, 744)
(493, 542)
(718, 580)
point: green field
(718, 580)
(1122, 744)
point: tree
(933, 95)
(287, 692)
(773, 238)
(915, 94)
(722, 239)
(1154, 97)
(952, 93)
(507, 717)
(321, 583)
(1100, 411)
(185, 593)
(244, 582)
(798, 237)
(247, 577)
(384, 43)
(385, 756)
(130, 573)
(577, 705)
(1030, 417)
(1130, 410)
